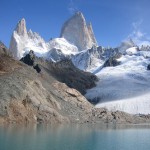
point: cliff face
(18, 39)
(21, 28)
(77, 32)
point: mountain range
(123, 78)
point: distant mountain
(77, 32)
(75, 36)
(94, 58)
(22, 42)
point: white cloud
(72, 7)
(138, 37)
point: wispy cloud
(72, 7)
(139, 37)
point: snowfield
(125, 87)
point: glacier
(125, 87)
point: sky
(113, 20)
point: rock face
(67, 73)
(112, 61)
(91, 33)
(21, 28)
(94, 58)
(29, 59)
(77, 32)
(18, 39)
(148, 67)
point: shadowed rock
(29, 59)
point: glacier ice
(125, 87)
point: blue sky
(112, 20)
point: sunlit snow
(125, 87)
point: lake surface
(75, 137)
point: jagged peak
(77, 16)
(30, 31)
(79, 13)
(76, 31)
(21, 27)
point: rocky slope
(26, 96)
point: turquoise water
(75, 137)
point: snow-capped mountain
(77, 32)
(22, 41)
(75, 36)
(60, 49)
(92, 59)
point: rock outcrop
(77, 32)
(112, 62)
(3, 49)
(29, 59)
(66, 72)
(148, 67)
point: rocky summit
(77, 32)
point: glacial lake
(75, 137)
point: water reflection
(75, 137)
